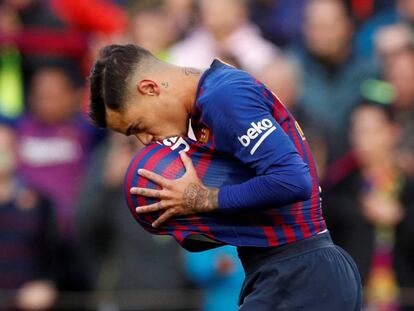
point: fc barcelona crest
(204, 135)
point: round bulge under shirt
(193, 232)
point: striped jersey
(250, 146)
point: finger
(188, 163)
(164, 217)
(158, 179)
(151, 207)
(149, 193)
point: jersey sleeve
(243, 125)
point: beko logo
(257, 128)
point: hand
(183, 196)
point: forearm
(266, 191)
(200, 198)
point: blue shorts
(312, 275)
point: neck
(180, 86)
(188, 79)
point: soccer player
(285, 248)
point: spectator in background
(283, 76)
(53, 148)
(395, 48)
(225, 32)
(182, 15)
(220, 274)
(152, 28)
(40, 34)
(400, 74)
(332, 75)
(52, 29)
(123, 257)
(365, 38)
(11, 83)
(54, 140)
(391, 40)
(369, 206)
(27, 233)
(280, 20)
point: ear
(148, 87)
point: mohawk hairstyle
(109, 77)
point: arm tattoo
(213, 198)
(200, 199)
(193, 195)
(191, 71)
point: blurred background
(67, 241)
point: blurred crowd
(345, 68)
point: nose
(145, 139)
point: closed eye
(133, 129)
(128, 131)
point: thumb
(188, 164)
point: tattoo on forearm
(213, 198)
(200, 199)
(191, 71)
(193, 194)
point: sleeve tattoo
(200, 199)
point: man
(285, 249)
(225, 30)
(28, 267)
(331, 73)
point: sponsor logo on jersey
(256, 134)
(176, 143)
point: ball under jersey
(235, 117)
(193, 232)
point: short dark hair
(109, 77)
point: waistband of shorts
(253, 257)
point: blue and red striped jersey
(214, 170)
(269, 188)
